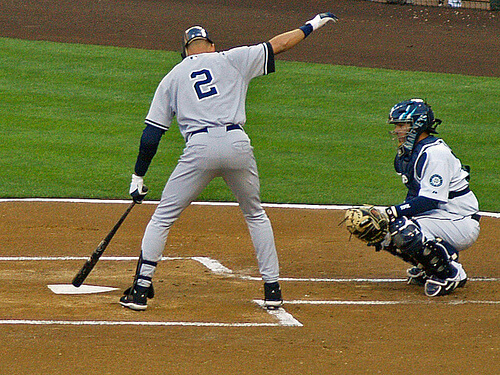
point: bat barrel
(94, 258)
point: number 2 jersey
(209, 89)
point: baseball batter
(206, 92)
(439, 216)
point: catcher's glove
(367, 223)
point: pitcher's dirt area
(207, 323)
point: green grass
(72, 115)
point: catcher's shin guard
(407, 238)
(436, 259)
(391, 248)
(432, 256)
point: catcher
(439, 216)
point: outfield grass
(71, 118)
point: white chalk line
(230, 204)
(218, 268)
(372, 303)
(356, 280)
(283, 317)
(133, 323)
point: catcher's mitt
(367, 223)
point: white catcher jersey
(209, 89)
(442, 174)
(439, 175)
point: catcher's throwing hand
(367, 223)
(321, 19)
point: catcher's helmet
(417, 113)
(191, 34)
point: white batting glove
(137, 189)
(321, 19)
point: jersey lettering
(202, 86)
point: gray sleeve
(160, 112)
(252, 61)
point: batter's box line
(217, 267)
(284, 318)
(401, 302)
(212, 264)
(134, 323)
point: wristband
(392, 213)
(307, 29)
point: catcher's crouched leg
(408, 239)
(435, 267)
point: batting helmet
(192, 34)
(417, 113)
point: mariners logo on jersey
(436, 180)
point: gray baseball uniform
(206, 93)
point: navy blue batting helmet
(192, 34)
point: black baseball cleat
(272, 296)
(136, 297)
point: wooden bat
(94, 258)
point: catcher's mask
(192, 34)
(419, 115)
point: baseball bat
(94, 258)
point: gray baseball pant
(217, 153)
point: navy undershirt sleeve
(270, 68)
(150, 140)
(416, 206)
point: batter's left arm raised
(284, 42)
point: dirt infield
(204, 322)
(348, 309)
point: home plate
(83, 289)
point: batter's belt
(205, 130)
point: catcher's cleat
(434, 286)
(416, 276)
(136, 297)
(272, 296)
(463, 280)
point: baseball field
(76, 79)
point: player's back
(209, 91)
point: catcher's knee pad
(407, 237)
